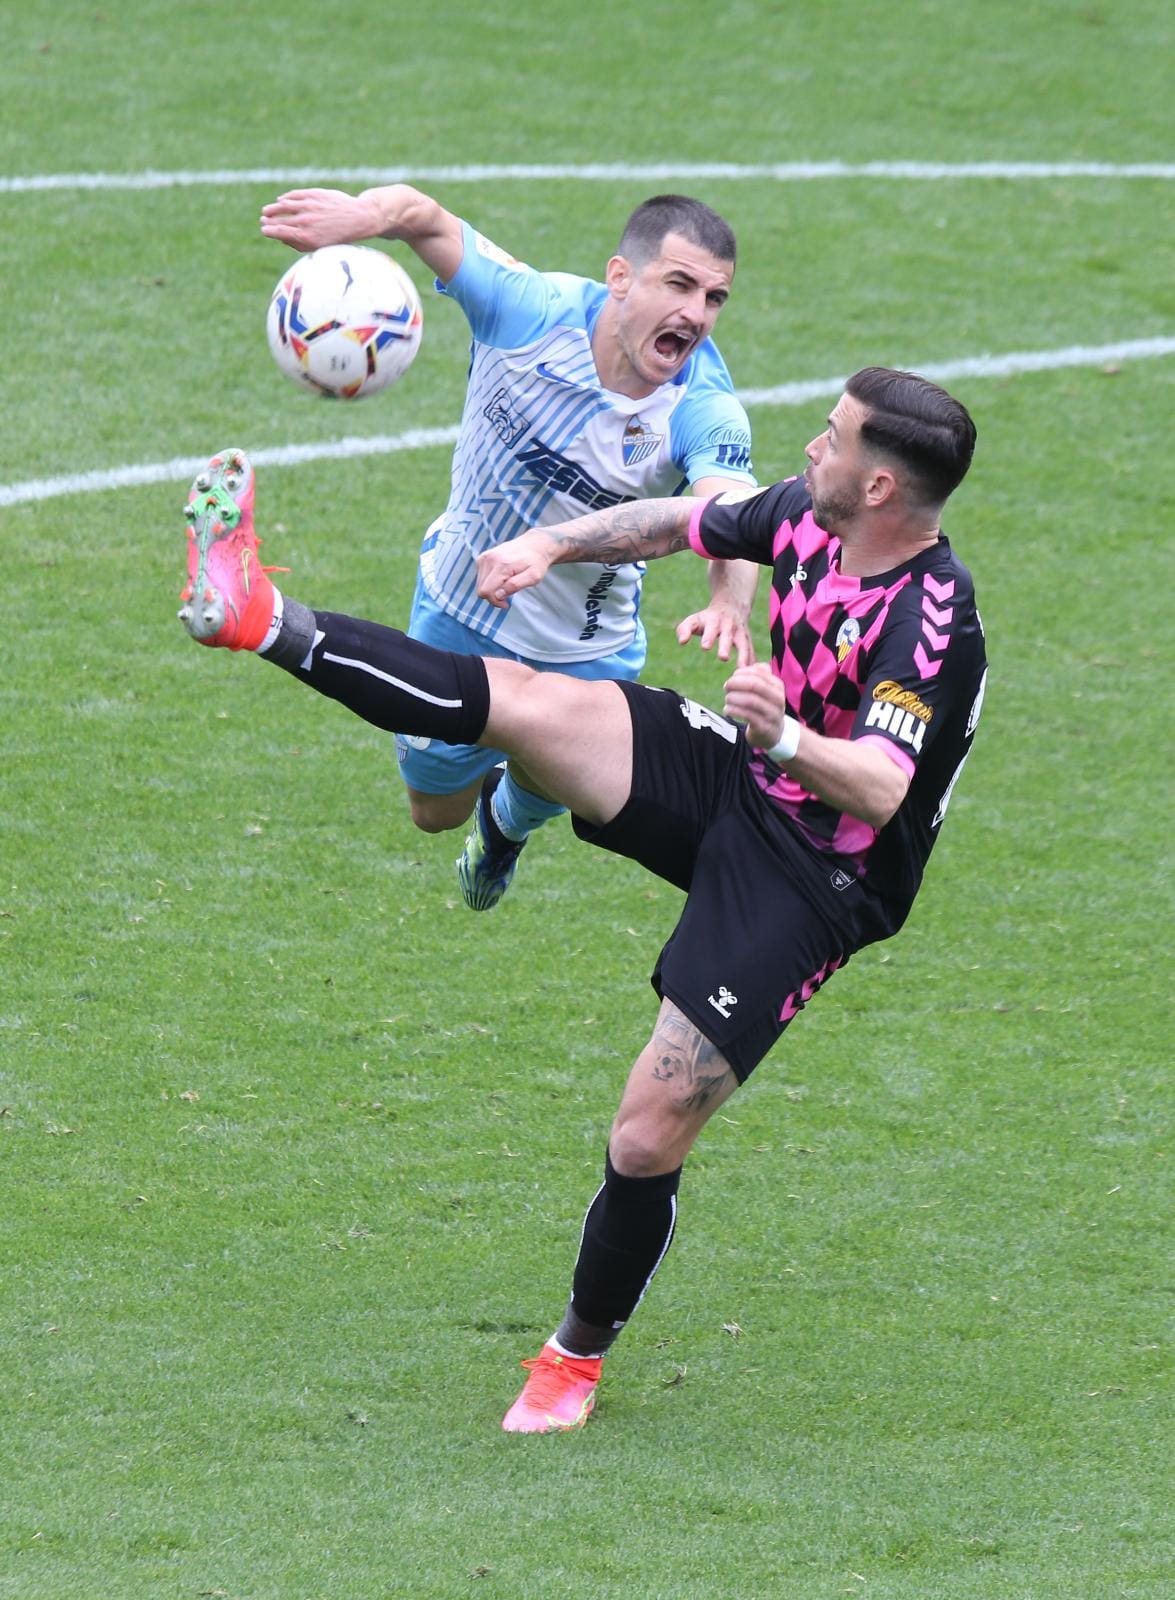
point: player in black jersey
(799, 821)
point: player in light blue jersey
(581, 395)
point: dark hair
(917, 424)
(645, 230)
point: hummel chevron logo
(934, 617)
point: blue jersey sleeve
(709, 433)
(508, 304)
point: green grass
(294, 1151)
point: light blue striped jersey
(541, 441)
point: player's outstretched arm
(636, 531)
(307, 219)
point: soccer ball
(344, 321)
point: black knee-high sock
(383, 676)
(628, 1228)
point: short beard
(833, 512)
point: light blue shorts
(432, 767)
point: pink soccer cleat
(228, 598)
(559, 1393)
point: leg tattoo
(684, 1056)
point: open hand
(722, 628)
(306, 219)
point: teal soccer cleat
(486, 865)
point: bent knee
(642, 1147)
(439, 813)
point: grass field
(294, 1151)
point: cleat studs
(203, 481)
(190, 512)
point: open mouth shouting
(673, 346)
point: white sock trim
(575, 1355)
(279, 606)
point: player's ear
(618, 276)
(881, 486)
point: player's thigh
(429, 767)
(676, 1084)
(750, 948)
(574, 737)
(623, 664)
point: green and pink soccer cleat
(228, 598)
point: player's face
(667, 307)
(835, 475)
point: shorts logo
(410, 741)
(723, 1001)
(639, 442)
(847, 636)
(840, 879)
(701, 717)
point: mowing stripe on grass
(616, 172)
(785, 394)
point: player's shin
(382, 675)
(627, 1231)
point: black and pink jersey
(897, 659)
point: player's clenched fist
(756, 697)
(518, 564)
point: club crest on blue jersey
(847, 635)
(639, 442)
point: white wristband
(787, 744)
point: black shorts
(767, 918)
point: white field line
(619, 172)
(179, 469)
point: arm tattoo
(634, 531)
(682, 1054)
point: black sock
(628, 1228)
(383, 676)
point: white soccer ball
(344, 321)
